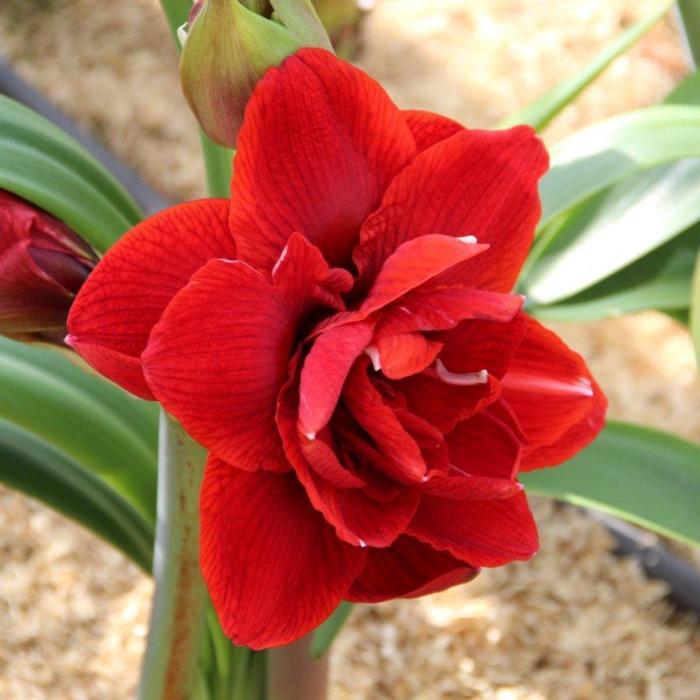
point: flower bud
(43, 264)
(229, 46)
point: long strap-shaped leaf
(540, 112)
(616, 228)
(88, 419)
(605, 153)
(31, 465)
(695, 308)
(661, 280)
(41, 163)
(602, 179)
(639, 474)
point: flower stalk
(293, 675)
(179, 602)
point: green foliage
(41, 163)
(614, 229)
(687, 92)
(33, 466)
(642, 475)
(108, 432)
(689, 11)
(660, 279)
(620, 207)
(328, 631)
(695, 308)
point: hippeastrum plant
(342, 336)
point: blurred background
(575, 623)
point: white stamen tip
(282, 256)
(373, 353)
(467, 379)
(363, 544)
(471, 240)
(310, 436)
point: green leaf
(679, 315)
(176, 12)
(607, 152)
(614, 229)
(540, 112)
(687, 92)
(695, 308)
(660, 280)
(689, 11)
(642, 475)
(328, 631)
(31, 465)
(41, 163)
(578, 195)
(90, 420)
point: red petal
(466, 487)
(42, 265)
(357, 518)
(218, 358)
(484, 533)
(423, 432)
(479, 183)
(273, 567)
(413, 263)
(304, 278)
(406, 354)
(431, 309)
(557, 403)
(403, 459)
(477, 345)
(125, 295)
(407, 569)
(444, 405)
(320, 143)
(325, 370)
(326, 464)
(428, 128)
(573, 440)
(485, 445)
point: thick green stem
(293, 675)
(179, 603)
(689, 11)
(218, 163)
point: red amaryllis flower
(42, 266)
(341, 336)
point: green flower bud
(228, 48)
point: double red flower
(342, 337)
